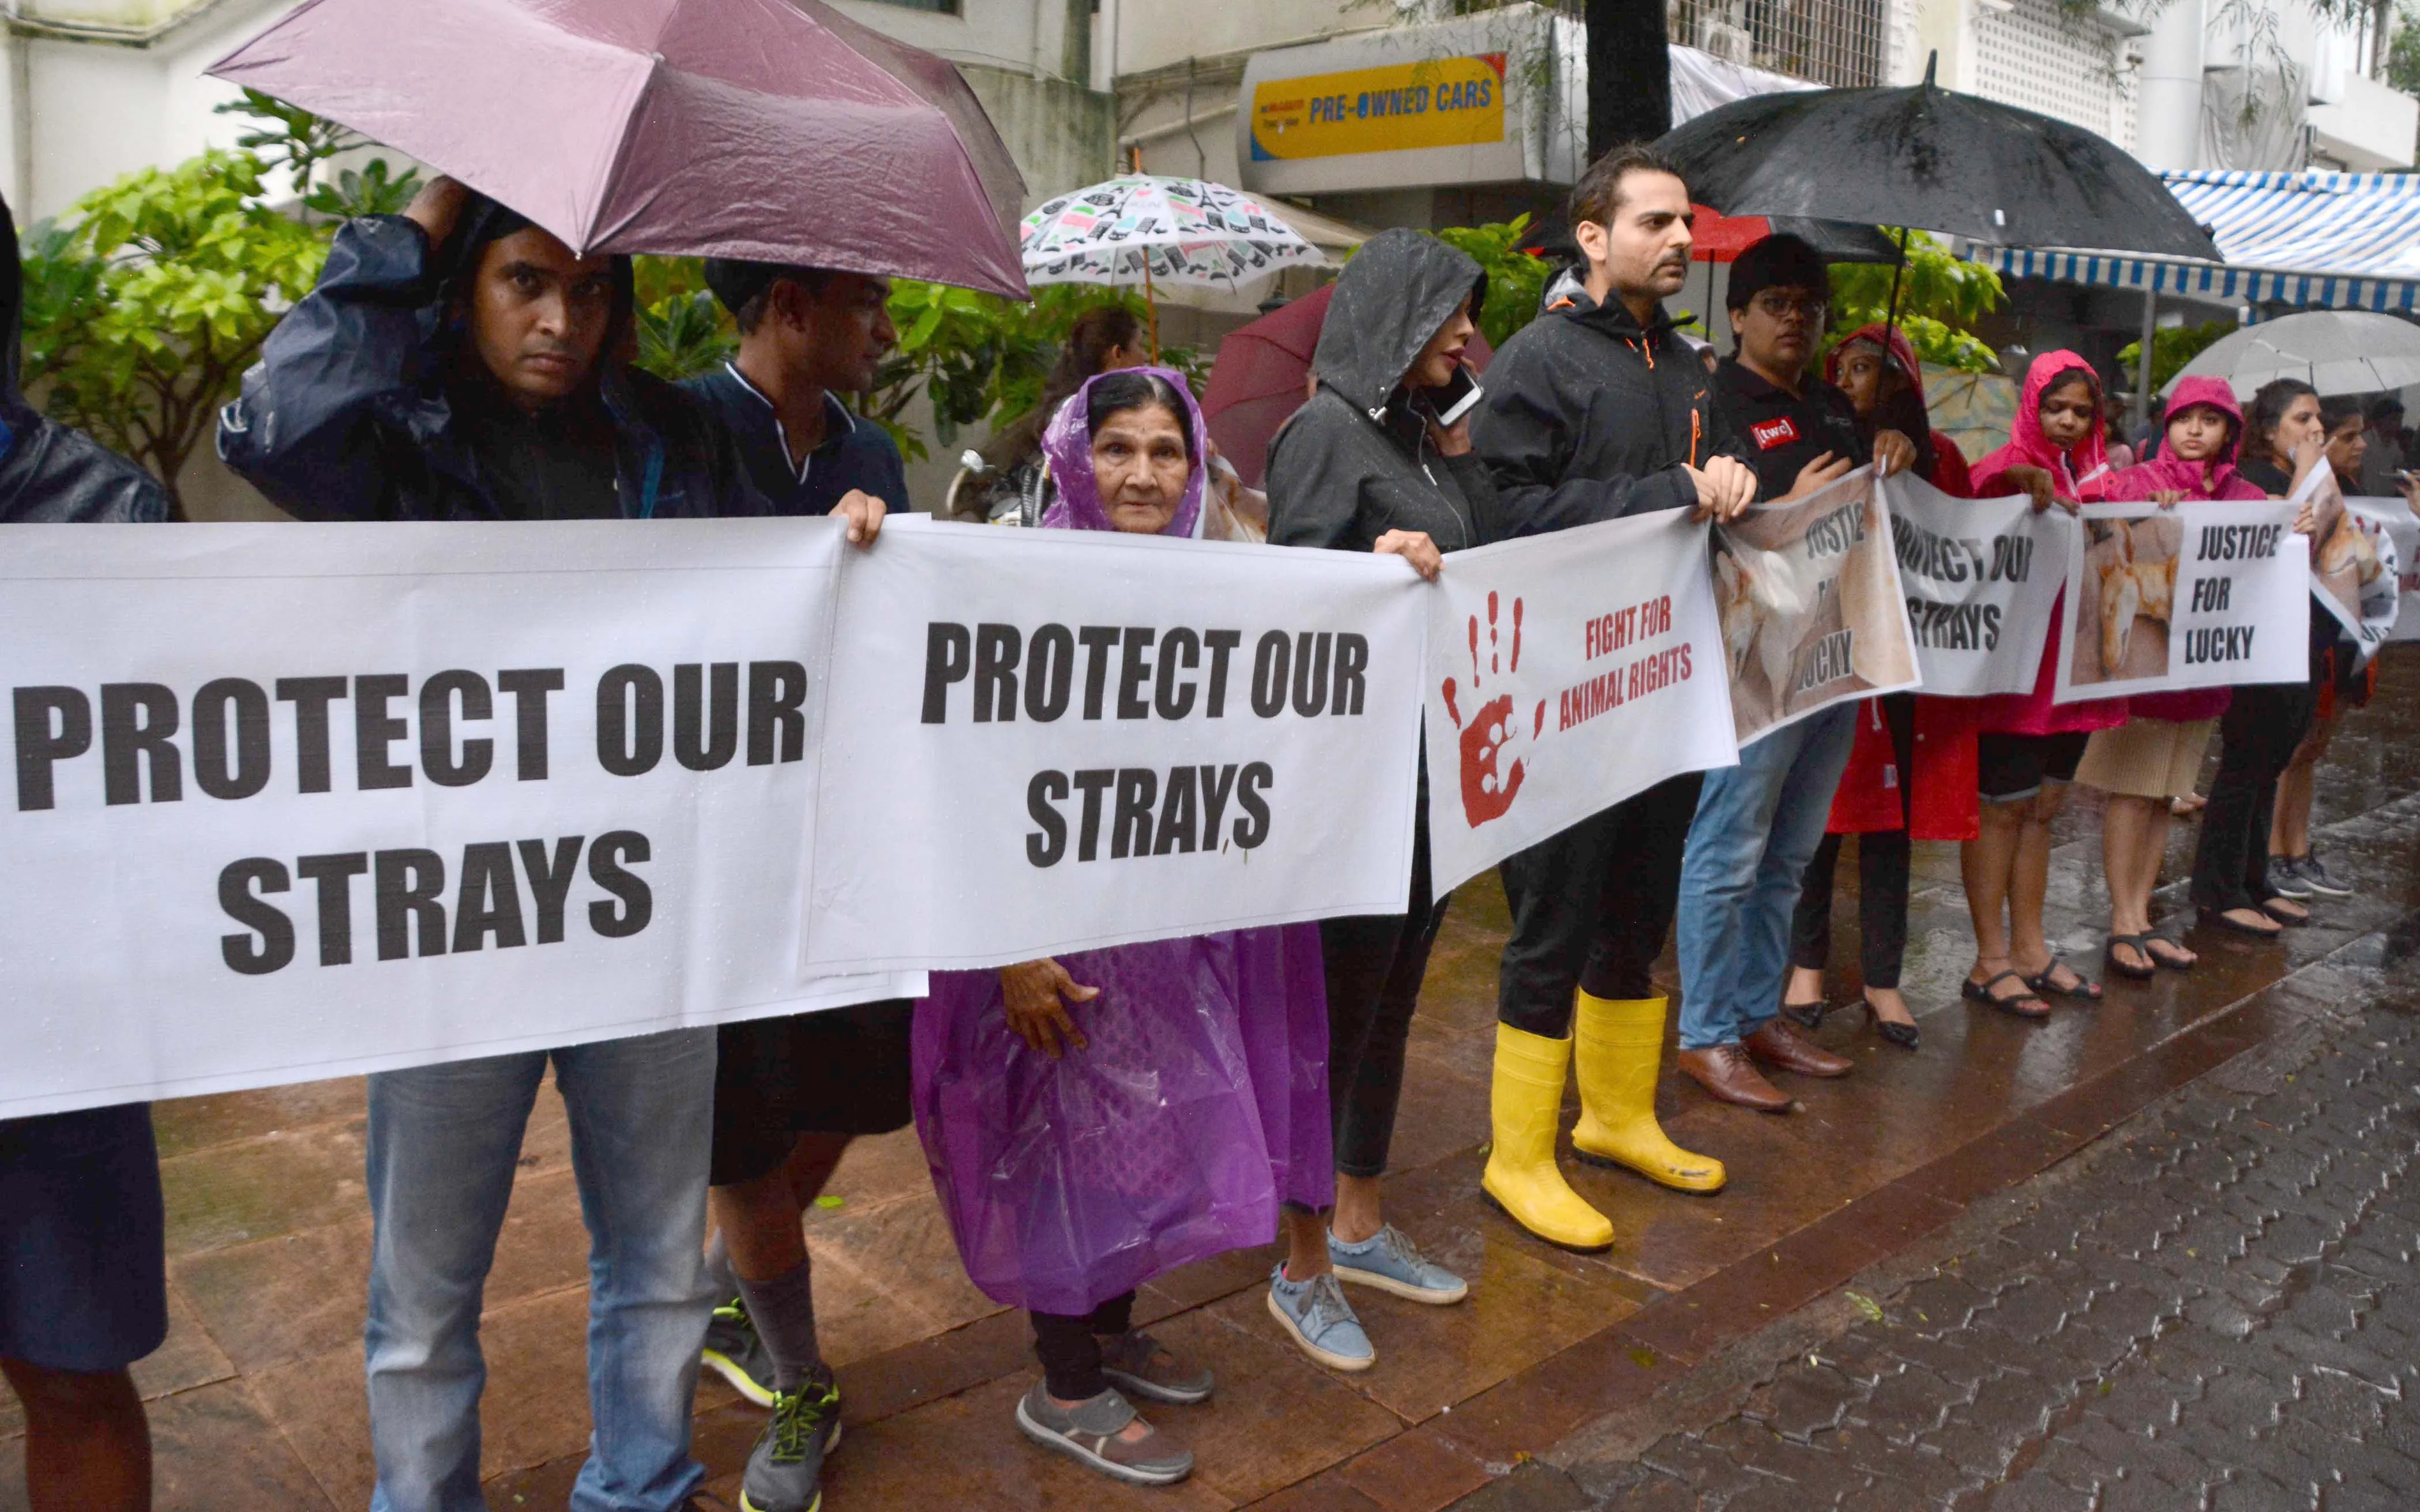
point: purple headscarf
(1067, 444)
(1199, 1104)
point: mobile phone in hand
(1456, 398)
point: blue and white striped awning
(2335, 241)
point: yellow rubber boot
(1619, 1047)
(1521, 1174)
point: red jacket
(1942, 803)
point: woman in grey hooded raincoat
(1365, 466)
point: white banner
(2354, 566)
(2394, 520)
(1811, 606)
(1047, 741)
(1981, 577)
(1567, 672)
(301, 801)
(2203, 595)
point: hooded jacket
(1590, 415)
(1356, 461)
(50, 475)
(1938, 460)
(2167, 472)
(349, 413)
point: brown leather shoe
(1782, 1046)
(1725, 1072)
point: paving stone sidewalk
(2215, 1308)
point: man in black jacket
(1598, 409)
(458, 363)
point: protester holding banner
(1758, 823)
(2234, 885)
(1594, 411)
(1095, 1121)
(1367, 466)
(791, 1093)
(1016, 484)
(83, 1274)
(2341, 676)
(1911, 772)
(2155, 757)
(2027, 747)
(457, 362)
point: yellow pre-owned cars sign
(1451, 102)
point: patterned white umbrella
(1144, 229)
(2336, 351)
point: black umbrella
(1932, 158)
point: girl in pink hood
(2153, 759)
(2027, 747)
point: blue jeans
(443, 1144)
(1757, 825)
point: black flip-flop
(2290, 920)
(2166, 963)
(2217, 918)
(1975, 991)
(2084, 991)
(2142, 947)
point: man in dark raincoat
(458, 363)
(1596, 409)
(84, 1289)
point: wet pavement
(2217, 1308)
(1555, 1361)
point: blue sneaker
(1390, 1262)
(1321, 1320)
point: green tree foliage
(682, 330)
(1941, 298)
(1516, 276)
(297, 140)
(2171, 349)
(143, 312)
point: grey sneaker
(1392, 1263)
(1088, 1433)
(734, 1352)
(2315, 877)
(2286, 879)
(1141, 1366)
(1315, 1312)
(785, 1470)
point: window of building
(1835, 42)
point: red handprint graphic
(1490, 782)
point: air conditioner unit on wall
(1732, 44)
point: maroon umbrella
(775, 129)
(1261, 378)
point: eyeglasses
(1783, 307)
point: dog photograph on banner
(1808, 597)
(2203, 595)
(2354, 562)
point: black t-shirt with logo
(1782, 432)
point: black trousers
(1883, 860)
(1070, 1347)
(1374, 965)
(2257, 738)
(1590, 908)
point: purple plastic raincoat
(1199, 1103)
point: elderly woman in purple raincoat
(1101, 1118)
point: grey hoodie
(1356, 461)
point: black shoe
(1806, 1014)
(785, 1470)
(734, 1352)
(1905, 1035)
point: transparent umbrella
(2336, 351)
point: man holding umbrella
(458, 363)
(1594, 411)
